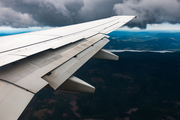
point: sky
(51, 13)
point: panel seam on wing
(17, 86)
(57, 37)
(73, 56)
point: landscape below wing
(31, 61)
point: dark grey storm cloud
(25, 13)
(150, 11)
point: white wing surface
(31, 61)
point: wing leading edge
(34, 60)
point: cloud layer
(142, 51)
(150, 11)
(25, 13)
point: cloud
(10, 30)
(62, 12)
(15, 19)
(25, 13)
(165, 51)
(47, 12)
(149, 11)
(162, 26)
(97, 9)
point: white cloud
(15, 19)
(163, 51)
(10, 30)
(163, 26)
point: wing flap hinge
(104, 54)
(76, 85)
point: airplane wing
(31, 61)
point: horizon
(164, 27)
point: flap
(13, 100)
